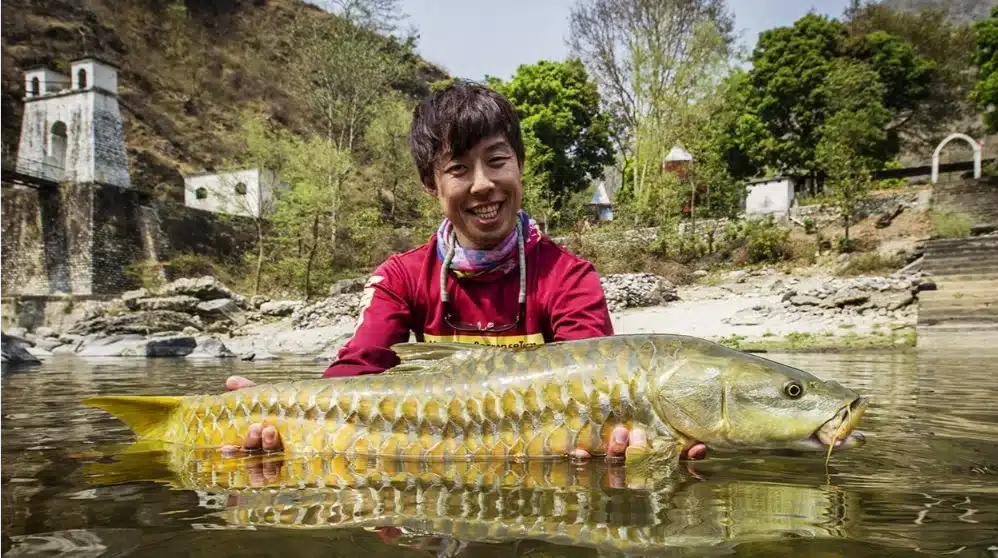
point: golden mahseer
(454, 402)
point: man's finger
(238, 382)
(271, 439)
(579, 454)
(696, 451)
(253, 437)
(618, 442)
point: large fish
(460, 402)
(459, 505)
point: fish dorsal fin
(414, 352)
(424, 357)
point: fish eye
(793, 389)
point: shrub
(870, 263)
(765, 241)
(950, 224)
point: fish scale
(453, 402)
(543, 402)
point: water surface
(926, 481)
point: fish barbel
(554, 502)
(463, 402)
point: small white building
(769, 196)
(71, 129)
(246, 192)
(600, 203)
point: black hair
(451, 121)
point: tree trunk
(259, 257)
(311, 256)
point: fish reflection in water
(451, 505)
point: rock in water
(211, 348)
(14, 353)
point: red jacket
(564, 301)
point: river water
(925, 482)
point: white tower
(71, 129)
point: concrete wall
(80, 239)
(772, 197)
(220, 195)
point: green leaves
(566, 135)
(803, 76)
(986, 58)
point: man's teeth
(487, 211)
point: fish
(489, 502)
(460, 402)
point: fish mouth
(839, 432)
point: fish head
(729, 400)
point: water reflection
(556, 502)
(925, 482)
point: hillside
(184, 81)
(957, 11)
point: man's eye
(498, 160)
(455, 169)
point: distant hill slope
(958, 11)
(178, 117)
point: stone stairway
(963, 309)
(977, 199)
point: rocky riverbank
(202, 318)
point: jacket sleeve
(578, 307)
(383, 320)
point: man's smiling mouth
(486, 211)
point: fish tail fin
(147, 416)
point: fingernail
(255, 429)
(269, 435)
(620, 436)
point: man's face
(480, 192)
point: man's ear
(430, 188)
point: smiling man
(487, 276)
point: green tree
(789, 95)
(566, 134)
(948, 46)
(853, 136)
(391, 163)
(316, 172)
(266, 147)
(344, 68)
(650, 59)
(986, 89)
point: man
(488, 276)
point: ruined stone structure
(73, 223)
(71, 128)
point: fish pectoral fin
(647, 463)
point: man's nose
(481, 180)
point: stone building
(71, 129)
(246, 192)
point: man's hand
(622, 438)
(269, 439)
(257, 436)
